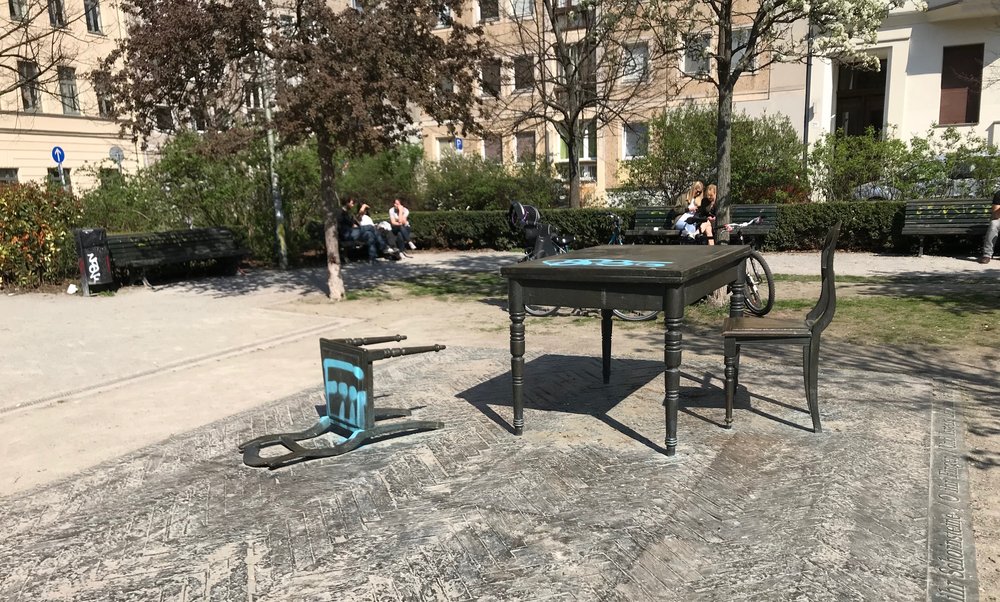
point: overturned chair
(350, 405)
(741, 332)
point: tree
(750, 36)
(34, 42)
(350, 79)
(577, 66)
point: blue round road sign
(58, 154)
(458, 144)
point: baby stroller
(540, 240)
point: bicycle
(629, 315)
(540, 240)
(760, 282)
(759, 299)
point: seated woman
(691, 203)
(385, 242)
(399, 218)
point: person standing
(990, 240)
(399, 218)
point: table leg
(673, 309)
(606, 327)
(515, 305)
(738, 296)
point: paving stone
(582, 507)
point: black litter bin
(94, 260)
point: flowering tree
(750, 36)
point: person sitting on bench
(990, 240)
(350, 229)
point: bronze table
(646, 277)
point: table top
(667, 264)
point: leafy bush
(471, 182)
(766, 156)
(381, 178)
(941, 164)
(36, 242)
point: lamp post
(808, 94)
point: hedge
(868, 226)
(36, 242)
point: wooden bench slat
(154, 249)
(928, 217)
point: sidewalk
(120, 415)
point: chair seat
(759, 328)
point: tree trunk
(574, 179)
(331, 210)
(723, 158)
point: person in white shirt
(399, 218)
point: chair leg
(810, 358)
(731, 354)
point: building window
(31, 100)
(8, 175)
(55, 181)
(586, 152)
(57, 16)
(253, 95)
(446, 85)
(67, 91)
(741, 37)
(696, 50)
(110, 177)
(444, 17)
(489, 10)
(961, 84)
(105, 106)
(491, 78)
(524, 143)
(635, 59)
(524, 72)
(446, 147)
(164, 117)
(92, 10)
(636, 137)
(521, 8)
(493, 148)
(18, 9)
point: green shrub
(469, 182)
(36, 242)
(379, 179)
(867, 226)
(766, 156)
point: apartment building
(50, 102)
(940, 68)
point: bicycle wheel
(635, 315)
(540, 311)
(759, 286)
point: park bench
(348, 248)
(142, 251)
(657, 223)
(931, 217)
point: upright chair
(738, 332)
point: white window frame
(703, 65)
(483, 151)
(533, 71)
(743, 32)
(586, 160)
(520, 9)
(31, 90)
(445, 147)
(18, 9)
(92, 14)
(479, 12)
(69, 94)
(518, 155)
(631, 72)
(8, 175)
(630, 127)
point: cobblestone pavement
(582, 507)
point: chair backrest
(821, 315)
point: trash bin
(94, 260)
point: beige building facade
(51, 102)
(940, 68)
